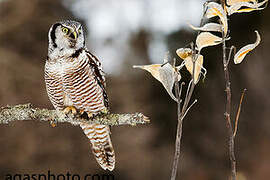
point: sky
(115, 22)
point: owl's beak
(74, 35)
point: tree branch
(228, 110)
(28, 112)
(181, 113)
(178, 133)
(238, 113)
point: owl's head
(65, 38)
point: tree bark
(28, 112)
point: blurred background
(122, 34)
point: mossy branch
(28, 112)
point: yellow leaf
(248, 7)
(198, 66)
(240, 55)
(186, 55)
(248, 10)
(153, 69)
(165, 74)
(232, 2)
(205, 39)
(183, 53)
(208, 27)
(215, 9)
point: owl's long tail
(99, 136)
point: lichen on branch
(28, 112)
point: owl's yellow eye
(65, 30)
(80, 31)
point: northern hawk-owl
(75, 82)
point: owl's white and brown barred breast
(78, 81)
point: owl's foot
(104, 111)
(90, 115)
(100, 113)
(70, 108)
(81, 112)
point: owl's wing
(85, 84)
(99, 75)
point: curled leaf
(240, 55)
(183, 53)
(205, 39)
(198, 66)
(186, 55)
(232, 2)
(247, 10)
(241, 7)
(208, 27)
(164, 73)
(215, 9)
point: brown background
(143, 152)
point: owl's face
(65, 37)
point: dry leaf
(215, 9)
(232, 2)
(247, 10)
(153, 69)
(198, 67)
(248, 7)
(184, 52)
(208, 27)
(240, 55)
(205, 39)
(187, 57)
(165, 74)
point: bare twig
(180, 116)
(188, 90)
(194, 102)
(232, 49)
(27, 112)
(228, 110)
(238, 113)
(223, 3)
(181, 88)
(178, 133)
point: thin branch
(232, 49)
(28, 112)
(228, 110)
(238, 113)
(180, 116)
(188, 90)
(180, 93)
(192, 83)
(194, 102)
(178, 134)
(181, 87)
(223, 3)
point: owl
(75, 83)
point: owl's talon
(104, 111)
(81, 112)
(70, 108)
(90, 115)
(73, 111)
